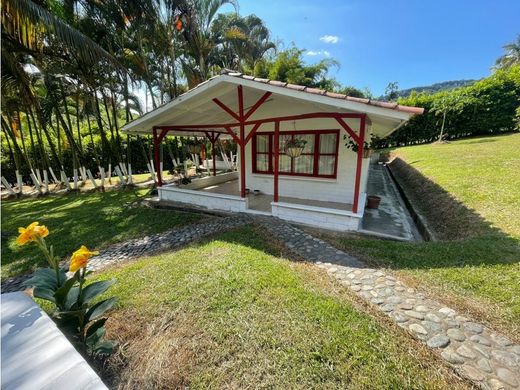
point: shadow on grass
(95, 220)
(465, 238)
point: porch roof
(196, 111)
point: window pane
(262, 162)
(304, 164)
(326, 165)
(328, 143)
(262, 143)
(285, 163)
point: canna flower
(80, 258)
(31, 233)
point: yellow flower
(80, 258)
(31, 232)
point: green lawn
(95, 220)
(231, 312)
(469, 192)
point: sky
(414, 42)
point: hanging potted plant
(294, 147)
(368, 148)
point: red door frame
(242, 119)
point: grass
(468, 192)
(232, 312)
(95, 220)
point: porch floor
(262, 202)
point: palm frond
(29, 24)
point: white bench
(35, 354)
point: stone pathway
(148, 245)
(489, 360)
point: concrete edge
(418, 218)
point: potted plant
(373, 201)
(368, 148)
(294, 147)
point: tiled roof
(316, 91)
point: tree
(391, 90)
(511, 56)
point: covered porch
(328, 189)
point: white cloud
(314, 53)
(329, 39)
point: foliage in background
(486, 107)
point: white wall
(208, 200)
(340, 189)
(324, 218)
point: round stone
(467, 352)
(432, 326)
(414, 314)
(447, 311)
(388, 308)
(355, 288)
(399, 317)
(482, 349)
(452, 357)
(378, 301)
(502, 341)
(432, 317)
(422, 309)
(507, 376)
(394, 299)
(405, 306)
(480, 340)
(495, 384)
(456, 334)
(416, 328)
(473, 327)
(505, 358)
(516, 349)
(472, 373)
(484, 365)
(439, 341)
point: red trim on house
(227, 109)
(242, 142)
(276, 160)
(361, 145)
(316, 153)
(257, 104)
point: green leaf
(44, 277)
(105, 348)
(72, 298)
(96, 337)
(95, 326)
(44, 293)
(62, 292)
(99, 308)
(96, 288)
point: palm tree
(511, 57)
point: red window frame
(316, 153)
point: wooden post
(276, 159)
(242, 143)
(361, 144)
(157, 157)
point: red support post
(157, 157)
(242, 143)
(276, 159)
(361, 144)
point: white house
(323, 186)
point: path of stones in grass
(488, 359)
(148, 245)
